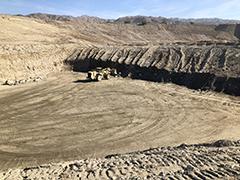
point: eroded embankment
(198, 67)
(23, 62)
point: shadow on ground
(83, 81)
(197, 81)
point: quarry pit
(172, 91)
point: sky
(226, 9)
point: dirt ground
(66, 118)
(217, 160)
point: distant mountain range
(140, 20)
(52, 17)
(150, 19)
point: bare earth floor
(60, 119)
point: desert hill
(139, 30)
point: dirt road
(61, 120)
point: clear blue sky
(228, 9)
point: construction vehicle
(99, 74)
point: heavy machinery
(99, 74)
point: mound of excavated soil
(204, 161)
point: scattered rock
(10, 83)
(183, 146)
(189, 169)
(74, 167)
(223, 143)
(22, 81)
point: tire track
(58, 120)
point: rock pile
(22, 81)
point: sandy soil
(65, 118)
(218, 160)
(20, 30)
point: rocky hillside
(141, 30)
(134, 19)
(85, 30)
(149, 19)
(52, 17)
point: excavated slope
(198, 67)
(21, 62)
(31, 48)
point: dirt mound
(192, 162)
